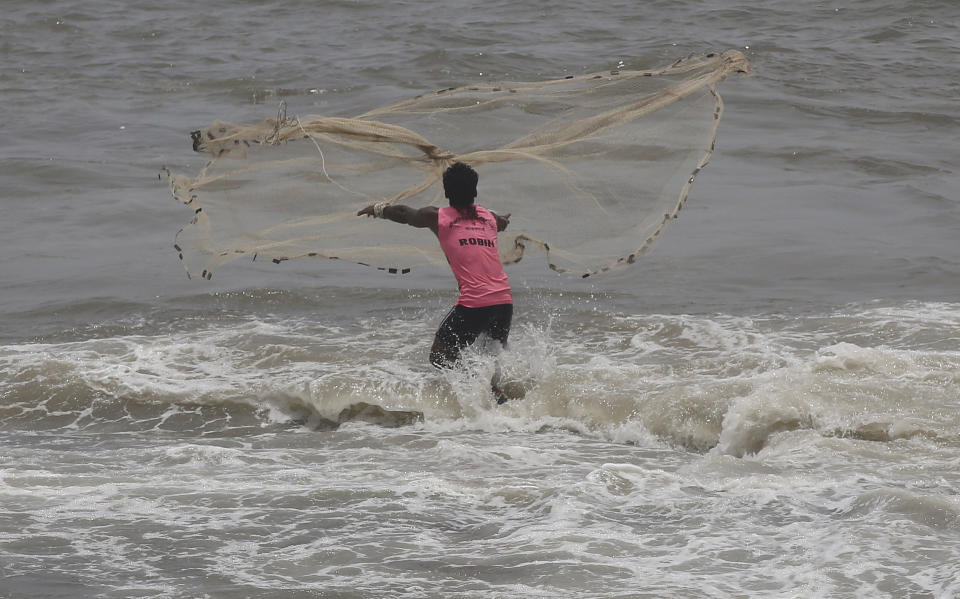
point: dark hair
(460, 186)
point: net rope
(591, 167)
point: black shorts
(463, 325)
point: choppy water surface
(766, 405)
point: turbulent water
(765, 406)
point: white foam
(694, 380)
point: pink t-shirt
(471, 249)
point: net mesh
(591, 167)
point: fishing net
(591, 167)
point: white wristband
(378, 209)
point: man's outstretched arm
(502, 220)
(422, 218)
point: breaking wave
(732, 383)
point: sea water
(764, 406)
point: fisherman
(468, 237)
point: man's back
(469, 240)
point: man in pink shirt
(468, 236)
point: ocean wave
(701, 382)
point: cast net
(591, 167)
